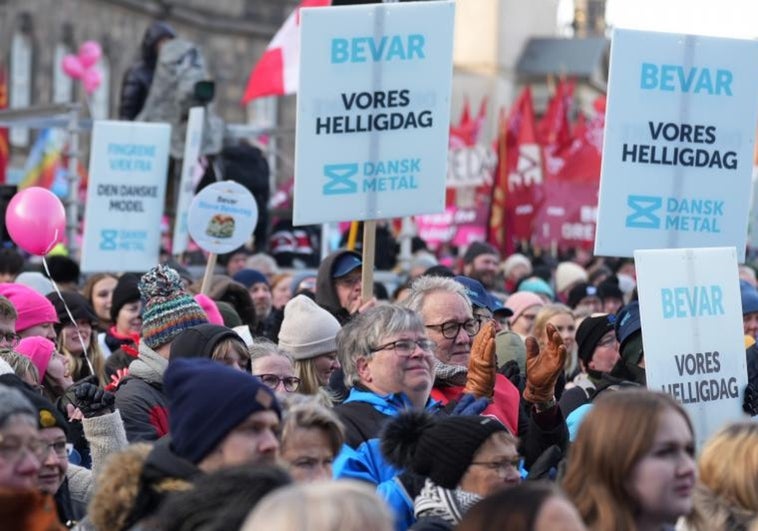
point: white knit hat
(567, 274)
(307, 329)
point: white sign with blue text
(373, 111)
(125, 194)
(691, 315)
(678, 145)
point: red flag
(466, 133)
(4, 146)
(579, 162)
(520, 177)
(554, 129)
(276, 73)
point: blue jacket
(364, 413)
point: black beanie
(590, 332)
(440, 448)
(200, 341)
(77, 305)
(125, 292)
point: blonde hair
(341, 505)
(20, 364)
(614, 436)
(311, 415)
(78, 367)
(539, 330)
(728, 465)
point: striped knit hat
(168, 308)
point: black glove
(750, 402)
(546, 465)
(512, 371)
(92, 400)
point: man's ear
(363, 368)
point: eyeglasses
(349, 280)
(9, 339)
(272, 381)
(12, 448)
(405, 347)
(607, 341)
(501, 467)
(451, 329)
(59, 448)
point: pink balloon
(89, 53)
(36, 220)
(72, 66)
(91, 80)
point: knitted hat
(749, 296)
(78, 306)
(438, 447)
(519, 302)
(228, 314)
(476, 249)
(200, 341)
(35, 280)
(39, 350)
(197, 423)
(33, 309)
(590, 332)
(609, 289)
(13, 402)
(567, 274)
(510, 346)
(515, 260)
(125, 292)
(44, 412)
(579, 292)
(307, 329)
(628, 322)
(537, 285)
(250, 277)
(210, 308)
(168, 308)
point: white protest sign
(373, 111)
(222, 217)
(691, 315)
(678, 146)
(125, 194)
(192, 145)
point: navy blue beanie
(749, 296)
(207, 400)
(249, 277)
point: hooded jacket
(326, 293)
(140, 397)
(200, 341)
(139, 77)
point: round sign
(222, 217)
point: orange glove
(482, 363)
(543, 368)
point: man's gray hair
(13, 402)
(423, 286)
(368, 330)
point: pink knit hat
(520, 301)
(210, 308)
(33, 308)
(39, 350)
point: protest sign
(125, 195)
(373, 111)
(691, 317)
(678, 146)
(189, 163)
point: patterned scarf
(449, 375)
(449, 505)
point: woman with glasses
(461, 459)
(274, 367)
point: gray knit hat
(13, 402)
(307, 329)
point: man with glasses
(448, 317)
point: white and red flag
(276, 73)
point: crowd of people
(490, 393)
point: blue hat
(749, 296)
(498, 308)
(197, 424)
(345, 264)
(250, 277)
(628, 322)
(475, 291)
